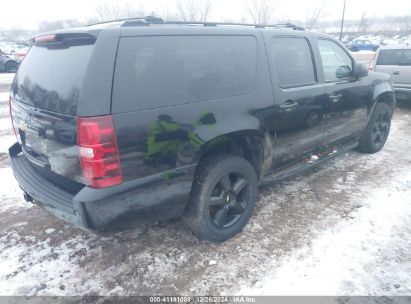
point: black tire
(223, 197)
(378, 129)
(11, 66)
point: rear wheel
(223, 197)
(11, 66)
(377, 131)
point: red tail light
(372, 62)
(99, 154)
(44, 38)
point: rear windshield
(51, 78)
(155, 71)
(394, 57)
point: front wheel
(376, 133)
(223, 197)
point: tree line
(255, 11)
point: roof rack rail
(279, 25)
(137, 21)
(133, 21)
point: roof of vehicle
(151, 20)
(157, 24)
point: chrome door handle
(335, 97)
(289, 104)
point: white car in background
(396, 61)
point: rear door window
(293, 61)
(160, 71)
(394, 57)
(51, 77)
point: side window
(337, 64)
(394, 57)
(161, 71)
(293, 61)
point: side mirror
(343, 72)
(359, 70)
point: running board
(303, 166)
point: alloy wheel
(380, 129)
(228, 200)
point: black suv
(136, 120)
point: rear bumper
(149, 199)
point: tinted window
(51, 78)
(292, 61)
(337, 64)
(394, 57)
(163, 71)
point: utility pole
(342, 21)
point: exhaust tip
(27, 197)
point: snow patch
(12, 199)
(212, 262)
(49, 230)
(24, 263)
(349, 257)
(4, 96)
(6, 142)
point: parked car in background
(363, 45)
(18, 50)
(122, 123)
(396, 61)
(9, 63)
(406, 40)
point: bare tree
(405, 25)
(193, 10)
(45, 25)
(167, 13)
(313, 16)
(107, 12)
(260, 11)
(15, 34)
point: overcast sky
(28, 13)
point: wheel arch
(10, 61)
(249, 144)
(387, 97)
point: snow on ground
(5, 123)
(10, 190)
(5, 143)
(6, 77)
(26, 278)
(4, 96)
(362, 255)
